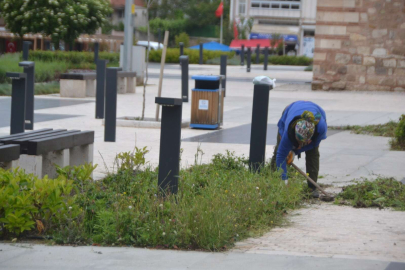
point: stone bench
(126, 82)
(78, 85)
(41, 150)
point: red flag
(220, 10)
(235, 31)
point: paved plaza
(317, 236)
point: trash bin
(207, 102)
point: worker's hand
(290, 158)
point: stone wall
(360, 45)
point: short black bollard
(29, 69)
(181, 44)
(96, 49)
(26, 48)
(201, 54)
(257, 54)
(242, 55)
(224, 59)
(19, 85)
(266, 57)
(100, 88)
(159, 36)
(249, 59)
(258, 133)
(184, 77)
(170, 137)
(110, 123)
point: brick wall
(360, 45)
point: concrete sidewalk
(40, 257)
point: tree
(60, 19)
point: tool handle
(310, 180)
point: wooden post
(35, 43)
(162, 67)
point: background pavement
(318, 236)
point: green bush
(182, 37)
(40, 89)
(175, 27)
(28, 203)
(173, 54)
(398, 142)
(72, 57)
(216, 205)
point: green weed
(40, 88)
(381, 193)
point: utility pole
(128, 39)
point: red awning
(237, 44)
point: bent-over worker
(301, 128)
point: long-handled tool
(327, 197)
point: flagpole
(222, 23)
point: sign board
(133, 9)
(308, 46)
(11, 46)
(203, 104)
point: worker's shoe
(315, 194)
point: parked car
(152, 45)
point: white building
(287, 17)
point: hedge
(173, 54)
(72, 57)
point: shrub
(217, 204)
(174, 27)
(40, 89)
(173, 54)
(72, 57)
(28, 203)
(398, 142)
(182, 37)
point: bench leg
(131, 85)
(121, 88)
(31, 164)
(90, 88)
(49, 160)
(80, 155)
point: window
(255, 5)
(121, 13)
(295, 7)
(283, 6)
(265, 5)
(242, 6)
(275, 6)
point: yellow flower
(308, 174)
(271, 222)
(125, 193)
(226, 191)
(233, 195)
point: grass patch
(217, 204)
(381, 193)
(309, 68)
(384, 130)
(40, 89)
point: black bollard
(170, 136)
(181, 44)
(184, 77)
(96, 49)
(111, 104)
(224, 59)
(257, 54)
(100, 88)
(242, 55)
(201, 54)
(29, 69)
(258, 133)
(19, 85)
(26, 48)
(266, 57)
(249, 58)
(159, 36)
